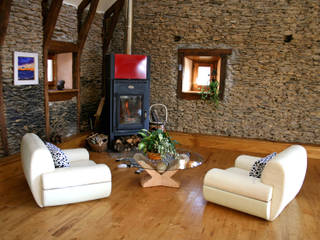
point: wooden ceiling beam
(54, 46)
(5, 7)
(112, 15)
(85, 27)
(51, 20)
(83, 5)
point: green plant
(157, 141)
(211, 93)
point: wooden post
(49, 23)
(5, 7)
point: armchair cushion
(60, 160)
(70, 177)
(233, 182)
(76, 154)
(258, 166)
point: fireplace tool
(158, 115)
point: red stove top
(130, 66)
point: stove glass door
(130, 109)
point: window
(59, 67)
(51, 70)
(198, 68)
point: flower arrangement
(157, 141)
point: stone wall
(24, 105)
(63, 114)
(63, 117)
(91, 72)
(90, 76)
(272, 86)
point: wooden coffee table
(156, 177)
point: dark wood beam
(205, 52)
(5, 7)
(51, 19)
(84, 29)
(110, 20)
(61, 47)
(83, 5)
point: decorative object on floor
(158, 142)
(259, 165)
(158, 116)
(129, 162)
(126, 143)
(60, 84)
(84, 180)
(98, 142)
(280, 182)
(159, 173)
(25, 68)
(60, 159)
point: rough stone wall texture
(63, 117)
(91, 72)
(272, 87)
(65, 30)
(118, 44)
(24, 104)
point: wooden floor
(133, 212)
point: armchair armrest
(245, 162)
(76, 154)
(238, 184)
(69, 177)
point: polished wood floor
(133, 212)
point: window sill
(191, 95)
(62, 95)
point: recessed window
(50, 70)
(59, 67)
(198, 68)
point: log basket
(155, 120)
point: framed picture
(25, 68)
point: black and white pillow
(60, 159)
(258, 166)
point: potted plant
(211, 92)
(156, 144)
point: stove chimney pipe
(129, 27)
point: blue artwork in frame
(25, 68)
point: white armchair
(281, 180)
(84, 180)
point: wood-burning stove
(127, 94)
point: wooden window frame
(182, 53)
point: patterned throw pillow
(258, 166)
(60, 159)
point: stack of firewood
(127, 143)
